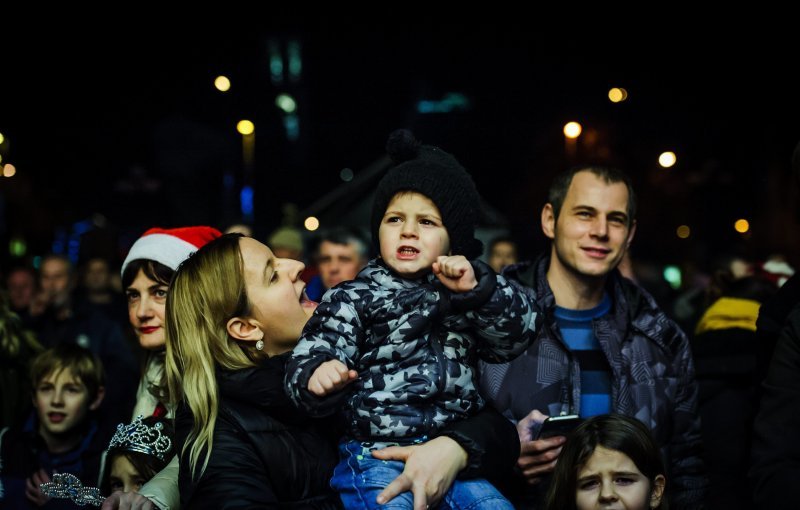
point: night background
(115, 131)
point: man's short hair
(345, 236)
(80, 362)
(560, 186)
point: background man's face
(21, 288)
(338, 263)
(55, 280)
(98, 275)
(592, 231)
(503, 254)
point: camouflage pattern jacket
(653, 377)
(415, 346)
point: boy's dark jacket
(23, 452)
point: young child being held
(397, 348)
(610, 460)
(61, 435)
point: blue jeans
(359, 478)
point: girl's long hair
(207, 290)
(611, 431)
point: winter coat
(265, 453)
(415, 346)
(652, 370)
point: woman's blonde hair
(207, 290)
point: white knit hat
(170, 246)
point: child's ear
(101, 393)
(658, 491)
(245, 329)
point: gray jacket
(652, 374)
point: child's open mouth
(56, 417)
(407, 253)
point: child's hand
(455, 272)
(32, 490)
(127, 500)
(330, 376)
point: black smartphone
(558, 425)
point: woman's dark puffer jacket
(265, 453)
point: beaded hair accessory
(133, 437)
(67, 486)
(138, 437)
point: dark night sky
(81, 109)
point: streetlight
(222, 83)
(667, 159)
(572, 130)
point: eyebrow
(155, 286)
(430, 215)
(423, 214)
(615, 473)
(267, 267)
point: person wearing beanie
(397, 347)
(286, 243)
(437, 175)
(146, 275)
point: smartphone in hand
(558, 425)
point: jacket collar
(377, 271)
(631, 307)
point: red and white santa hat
(170, 246)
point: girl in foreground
(609, 461)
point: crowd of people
(421, 377)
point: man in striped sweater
(604, 345)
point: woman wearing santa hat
(146, 273)
(476, 444)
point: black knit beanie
(432, 172)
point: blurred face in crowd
(503, 254)
(55, 279)
(97, 276)
(21, 288)
(338, 263)
(147, 301)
